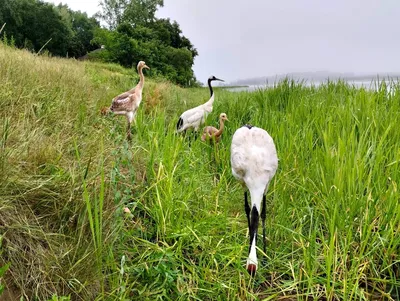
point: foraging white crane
(195, 117)
(212, 133)
(128, 103)
(254, 163)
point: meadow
(67, 172)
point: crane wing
(122, 96)
(210, 130)
(195, 117)
(122, 102)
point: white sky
(240, 39)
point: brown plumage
(212, 133)
(128, 102)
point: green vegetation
(36, 25)
(134, 35)
(66, 173)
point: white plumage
(195, 117)
(254, 162)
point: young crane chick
(128, 103)
(213, 133)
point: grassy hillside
(66, 173)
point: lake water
(370, 85)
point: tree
(35, 25)
(82, 28)
(136, 34)
(171, 34)
(182, 61)
(141, 12)
(127, 45)
(133, 12)
(112, 12)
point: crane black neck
(209, 85)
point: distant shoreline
(370, 84)
(232, 86)
(314, 77)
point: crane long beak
(219, 79)
(227, 119)
(147, 67)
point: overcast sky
(241, 39)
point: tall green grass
(68, 172)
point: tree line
(130, 32)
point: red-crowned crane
(254, 163)
(128, 103)
(195, 117)
(212, 133)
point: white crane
(128, 103)
(254, 163)
(195, 117)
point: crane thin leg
(263, 216)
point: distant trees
(33, 24)
(82, 30)
(134, 12)
(112, 12)
(133, 33)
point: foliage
(136, 34)
(112, 12)
(34, 25)
(3, 269)
(82, 28)
(56, 298)
(159, 44)
(141, 12)
(133, 12)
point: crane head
(211, 78)
(142, 64)
(223, 116)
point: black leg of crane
(254, 218)
(263, 216)
(247, 209)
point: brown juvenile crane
(128, 103)
(212, 133)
